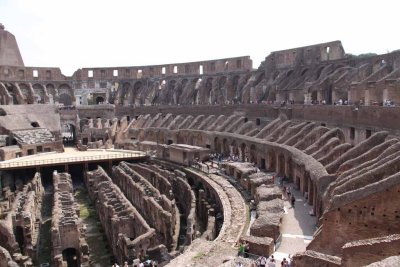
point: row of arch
(265, 155)
(206, 90)
(25, 93)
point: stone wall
(157, 209)
(67, 233)
(127, 231)
(27, 220)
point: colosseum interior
(179, 164)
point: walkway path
(213, 253)
(70, 155)
(297, 226)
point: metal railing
(41, 162)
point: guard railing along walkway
(31, 161)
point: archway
(281, 164)
(68, 133)
(71, 256)
(65, 99)
(217, 145)
(253, 156)
(19, 237)
(225, 147)
(99, 100)
(243, 155)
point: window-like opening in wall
(39, 149)
(31, 151)
(139, 74)
(352, 133)
(201, 69)
(48, 74)
(163, 82)
(35, 73)
(90, 73)
(170, 142)
(226, 65)
(21, 74)
(328, 49)
(245, 119)
(115, 73)
(212, 66)
(102, 73)
(258, 121)
(127, 72)
(128, 119)
(208, 146)
(368, 133)
(6, 71)
(175, 69)
(238, 64)
(163, 70)
(35, 124)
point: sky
(73, 34)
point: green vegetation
(99, 249)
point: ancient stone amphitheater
(205, 152)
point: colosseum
(209, 163)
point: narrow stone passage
(98, 247)
(44, 255)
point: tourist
(271, 262)
(293, 200)
(284, 263)
(262, 261)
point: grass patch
(198, 256)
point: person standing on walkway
(284, 263)
(293, 200)
(271, 263)
(262, 261)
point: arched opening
(71, 256)
(225, 147)
(99, 100)
(243, 154)
(65, 99)
(281, 164)
(217, 145)
(19, 237)
(68, 134)
(253, 156)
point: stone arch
(234, 148)
(66, 94)
(71, 257)
(99, 100)
(242, 151)
(123, 94)
(52, 93)
(234, 92)
(137, 87)
(24, 88)
(40, 94)
(217, 145)
(208, 87)
(271, 160)
(289, 168)
(253, 153)
(281, 164)
(225, 147)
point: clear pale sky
(72, 34)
